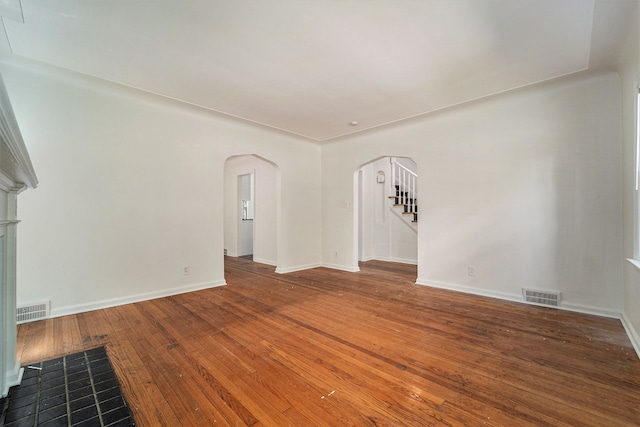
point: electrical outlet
(471, 270)
(186, 270)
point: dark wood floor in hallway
(328, 348)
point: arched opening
(250, 208)
(387, 215)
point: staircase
(405, 184)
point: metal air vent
(539, 296)
(33, 312)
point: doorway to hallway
(250, 208)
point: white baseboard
(399, 260)
(296, 268)
(113, 302)
(310, 266)
(469, 290)
(265, 261)
(405, 261)
(12, 378)
(588, 309)
(568, 306)
(341, 267)
(631, 332)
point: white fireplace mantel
(19, 176)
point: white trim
(470, 290)
(7, 183)
(631, 332)
(113, 302)
(405, 261)
(341, 267)
(391, 259)
(11, 136)
(12, 378)
(634, 262)
(567, 306)
(265, 261)
(310, 266)
(297, 268)
(589, 309)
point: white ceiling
(310, 67)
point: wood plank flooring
(329, 348)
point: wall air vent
(539, 296)
(33, 312)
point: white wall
(630, 75)
(524, 186)
(266, 194)
(131, 189)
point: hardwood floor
(330, 348)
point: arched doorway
(387, 214)
(250, 208)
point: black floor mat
(76, 390)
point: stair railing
(405, 183)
